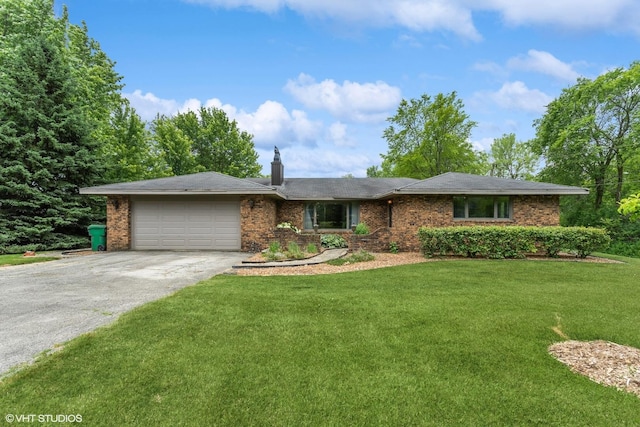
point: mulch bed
(604, 362)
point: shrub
(585, 240)
(274, 247)
(629, 249)
(274, 253)
(312, 248)
(510, 242)
(20, 249)
(394, 248)
(360, 256)
(333, 241)
(293, 251)
(361, 228)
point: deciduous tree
(591, 129)
(430, 136)
(128, 149)
(631, 206)
(206, 140)
(512, 159)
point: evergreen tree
(47, 152)
(97, 85)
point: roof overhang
(494, 192)
(113, 192)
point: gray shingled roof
(462, 183)
(333, 188)
(199, 183)
(340, 188)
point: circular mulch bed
(604, 362)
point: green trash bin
(98, 235)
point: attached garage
(185, 223)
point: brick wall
(292, 212)
(257, 222)
(411, 212)
(375, 214)
(536, 210)
(408, 213)
(260, 215)
(284, 236)
(118, 223)
(377, 241)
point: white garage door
(185, 224)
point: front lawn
(439, 343)
(18, 259)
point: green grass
(440, 343)
(19, 259)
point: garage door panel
(185, 224)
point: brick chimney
(277, 169)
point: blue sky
(319, 78)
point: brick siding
(408, 213)
(257, 222)
(291, 212)
(118, 223)
(260, 215)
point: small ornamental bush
(277, 253)
(274, 247)
(333, 241)
(511, 242)
(293, 251)
(274, 253)
(361, 228)
(360, 256)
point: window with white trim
(331, 215)
(482, 207)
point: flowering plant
(289, 226)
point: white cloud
(615, 15)
(408, 40)
(148, 105)
(416, 15)
(544, 63)
(350, 101)
(304, 162)
(339, 135)
(482, 144)
(271, 123)
(488, 67)
(516, 96)
(455, 16)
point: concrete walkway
(325, 256)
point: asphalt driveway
(45, 304)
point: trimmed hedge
(511, 242)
